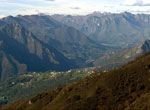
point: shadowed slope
(72, 43)
(21, 51)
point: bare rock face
(123, 30)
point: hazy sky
(27, 7)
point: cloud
(139, 11)
(13, 4)
(50, 0)
(2, 16)
(75, 8)
(40, 0)
(136, 3)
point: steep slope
(123, 30)
(21, 51)
(118, 58)
(117, 89)
(70, 42)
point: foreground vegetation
(29, 84)
(124, 88)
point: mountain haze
(70, 42)
(122, 30)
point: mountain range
(42, 43)
(122, 30)
(22, 52)
(72, 43)
(31, 45)
(30, 84)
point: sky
(73, 7)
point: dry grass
(119, 89)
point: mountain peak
(127, 13)
(98, 13)
(21, 47)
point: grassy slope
(27, 85)
(117, 89)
